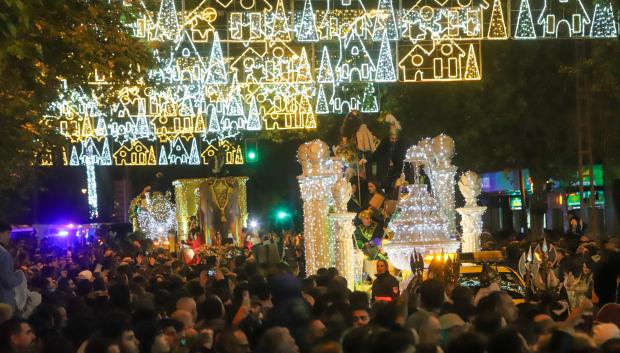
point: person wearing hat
(368, 235)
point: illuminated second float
(420, 224)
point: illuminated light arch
(240, 66)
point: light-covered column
(471, 215)
(315, 184)
(341, 224)
(443, 179)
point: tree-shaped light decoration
(525, 23)
(326, 73)
(369, 100)
(254, 121)
(307, 27)
(280, 30)
(142, 127)
(216, 70)
(167, 26)
(304, 71)
(163, 157)
(214, 122)
(385, 22)
(194, 157)
(101, 129)
(306, 108)
(385, 63)
(322, 107)
(235, 101)
(603, 22)
(74, 159)
(497, 25)
(199, 127)
(106, 157)
(151, 158)
(471, 65)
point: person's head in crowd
(232, 340)
(99, 344)
(432, 294)
(66, 285)
(151, 337)
(373, 187)
(467, 342)
(5, 234)
(356, 340)
(382, 267)
(501, 303)
(365, 217)
(17, 336)
(116, 325)
(84, 288)
(360, 316)
(601, 333)
(451, 326)
(463, 302)
(48, 318)
(188, 304)
(174, 334)
(542, 323)
(327, 347)
(359, 298)
(187, 320)
(212, 308)
(100, 284)
(145, 314)
(6, 312)
(429, 330)
(507, 340)
(611, 346)
(427, 348)
(277, 340)
(120, 296)
(307, 284)
(397, 340)
(488, 322)
(384, 314)
(284, 286)
(315, 330)
(609, 313)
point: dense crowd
(98, 299)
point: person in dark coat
(385, 286)
(389, 157)
(359, 189)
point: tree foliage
(43, 43)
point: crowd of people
(100, 299)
